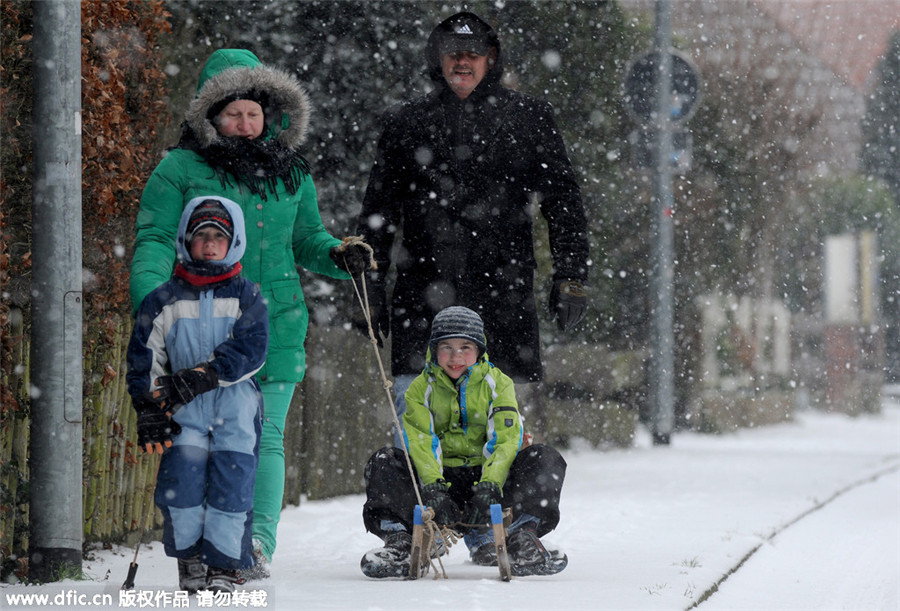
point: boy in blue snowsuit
(198, 340)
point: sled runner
(500, 522)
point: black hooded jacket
(456, 180)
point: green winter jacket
(284, 230)
(474, 421)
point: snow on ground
(802, 515)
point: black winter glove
(353, 256)
(181, 387)
(435, 496)
(378, 310)
(568, 302)
(155, 427)
(486, 494)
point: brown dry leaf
(108, 374)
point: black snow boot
(486, 555)
(525, 548)
(191, 574)
(392, 560)
(528, 556)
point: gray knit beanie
(457, 321)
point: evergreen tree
(881, 158)
(881, 124)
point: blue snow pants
(206, 479)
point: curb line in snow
(869, 479)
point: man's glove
(486, 494)
(435, 496)
(155, 426)
(181, 387)
(353, 256)
(568, 302)
(378, 310)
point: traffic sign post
(661, 91)
(643, 146)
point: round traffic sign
(639, 85)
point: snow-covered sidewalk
(802, 515)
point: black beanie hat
(254, 95)
(457, 321)
(209, 212)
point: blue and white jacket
(206, 313)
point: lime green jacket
(474, 421)
(284, 230)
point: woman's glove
(486, 494)
(181, 387)
(435, 496)
(353, 256)
(155, 426)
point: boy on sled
(463, 432)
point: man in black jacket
(456, 176)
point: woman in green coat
(241, 139)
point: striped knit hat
(209, 212)
(457, 321)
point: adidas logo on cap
(464, 33)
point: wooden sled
(422, 540)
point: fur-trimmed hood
(230, 72)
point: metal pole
(56, 352)
(662, 387)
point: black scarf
(258, 164)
